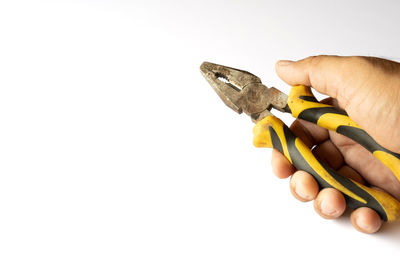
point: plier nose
(228, 83)
(242, 91)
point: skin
(368, 89)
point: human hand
(369, 90)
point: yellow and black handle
(303, 105)
(272, 132)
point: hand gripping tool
(244, 92)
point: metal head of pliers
(243, 91)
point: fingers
(309, 133)
(348, 172)
(329, 153)
(281, 166)
(366, 220)
(303, 186)
(330, 203)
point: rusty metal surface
(243, 91)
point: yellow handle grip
(272, 132)
(304, 105)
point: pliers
(244, 92)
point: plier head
(243, 91)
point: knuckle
(314, 63)
(316, 60)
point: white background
(114, 150)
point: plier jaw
(243, 91)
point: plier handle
(244, 92)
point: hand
(368, 89)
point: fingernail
(363, 225)
(301, 193)
(327, 208)
(284, 63)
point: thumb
(323, 73)
(368, 89)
